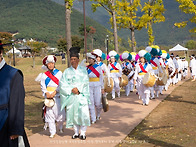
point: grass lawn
(171, 124)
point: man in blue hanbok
(74, 94)
(12, 94)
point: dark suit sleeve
(16, 105)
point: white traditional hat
(90, 55)
(125, 55)
(97, 52)
(49, 59)
(164, 54)
(112, 53)
(145, 54)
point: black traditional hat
(74, 52)
(1, 45)
(172, 54)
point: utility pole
(107, 39)
(85, 42)
(13, 52)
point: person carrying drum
(100, 57)
(128, 70)
(156, 66)
(50, 88)
(95, 74)
(168, 66)
(115, 72)
(141, 69)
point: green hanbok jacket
(77, 110)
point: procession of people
(82, 87)
(77, 96)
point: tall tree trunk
(150, 36)
(133, 40)
(150, 30)
(115, 28)
(68, 31)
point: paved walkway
(124, 115)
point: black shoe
(83, 137)
(75, 136)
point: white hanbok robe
(115, 75)
(53, 113)
(192, 65)
(129, 86)
(143, 90)
(95, 91)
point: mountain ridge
(165, 33)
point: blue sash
(95, 66)
(145, 65)
(6, 75)
(101, 63)
(114, 65)
(55, 71)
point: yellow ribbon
(114, 71)
(51, 89)
(93, 79)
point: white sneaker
(93, 122)
(61, 131)
(98, 118)
(45, 126)
(52, 135)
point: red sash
(114, 67)
(52, 77)
(151, 61)
(142, 68)
(133, 64)
(94, 70)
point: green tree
(188, 7)
(62, 45)
(76, 41)
(36, 47)
(81, 29)
(109, 6)
(91, 34)
(90, 31)
(191, 44)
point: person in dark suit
(12, 94)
